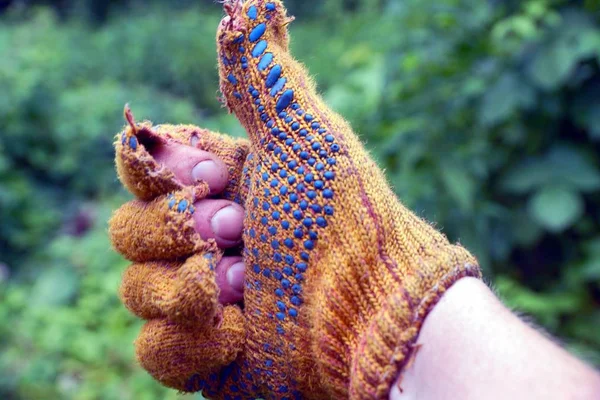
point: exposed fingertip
(235, 276)
(230, 279)
(191, 165)
(228, 223)
(212, 173)
(221, 220)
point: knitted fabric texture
(172, 281)
(339, 274)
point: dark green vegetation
(485, 115)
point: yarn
(339, 274)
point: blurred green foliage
(485, 116)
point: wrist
(471, 346)
(455, 305)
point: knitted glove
(340, 276)
(172, 281)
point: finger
(230, 276)
(221, 220)
(152, 290)
(146, 177)
(163, 229)
(191, 165)
(186, 293)
(174, 353)
(231, 151)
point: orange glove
(340, 275)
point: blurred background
(485, 115)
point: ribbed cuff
(388, 345)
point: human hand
(187, 183)
(340, 275)
(215, 217)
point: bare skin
(472, 346)
(215, 218)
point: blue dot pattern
(290, 201)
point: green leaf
(586, 110)
(526, 176)
(555, 61)
(527, 233)
(571, 166)
(556, 208)
(507, 95)
(54, 286)
(529, 301)
(459, 185)
(565, 165)
(589, 270)
(592, 120)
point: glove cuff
(388, 345)
(367, 327)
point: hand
(340, 275)
(186, 215)
(215, 217)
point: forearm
(474, 347)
